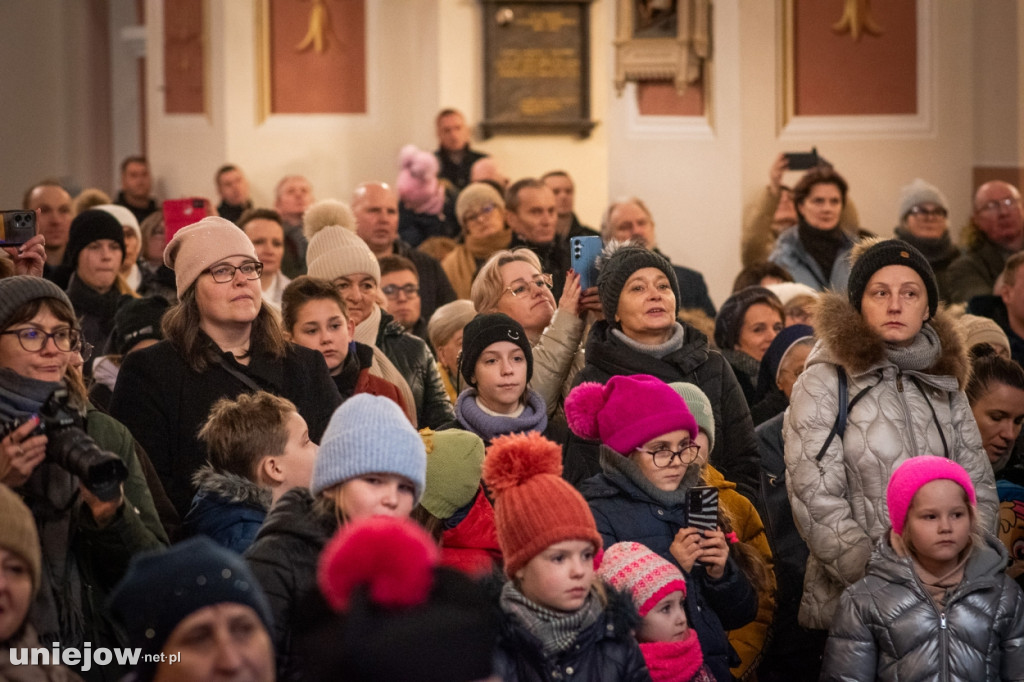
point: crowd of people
(403, 438)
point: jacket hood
(846, 339)
(232, 488)
(988, 560)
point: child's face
(668, 477)
(560, 577)
(938, 525)
(320, 325)
(376, 494)
(666, 622)
(299, 454)
(500, 376)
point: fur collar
(232, 488)
(851, 343)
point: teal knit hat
(369, 434)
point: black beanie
(891, 252)
(729, 321)
(618, 267)
(89, 226)
(482, 331)
(136, 320)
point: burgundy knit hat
(645, 576)
(910, 476)
(627, 412)
(534, 507)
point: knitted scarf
(938, 587)
(489, 427)
(613, 464)
(674, 661)
(660, 350)
(368, 329)
(556, 630)
(921, 354)
(822, 245)
(938, 251)
(461, 264)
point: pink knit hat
(627, 412)
(914, 473)
(633, 568)
(199, 245)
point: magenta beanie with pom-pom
(914, 473)
(627, 412)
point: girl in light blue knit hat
(371, 462)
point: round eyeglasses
(665, 457)
(34, 340)
(521, 287)
(225, 272)
(999, 205)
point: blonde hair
(488, 286)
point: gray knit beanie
(619, 266)
(369, 434)
(700, 408)
(18, 290)
(920, 192)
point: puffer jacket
(557, 358)
(839, 502)
(604, 652)
(791, 254)
(228, 508)
(283, 559)
(413, 359)
(887, 627)
(735, 451)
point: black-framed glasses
(925, 212)
(521, 287)
(34, 340)
(664, 457)
(482, 213)
(225, 272)
(392, 290)
(998, 205)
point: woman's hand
(714, 552)
(685, 548)
(30, 257)
(102, 512)
(590, 303)
(21, 453)
(569, 303)
(775, 174)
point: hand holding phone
(583, 256)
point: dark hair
(240, 431)
(258, 214)
(555, 174)
(181, 326)
(512, 193)
(226, 168)
(57, 307)
(301, 291)
(137, 158)
(988, 368)
(729, 323)
(397, 264)
(819, 175)
(448, 111)
(752, 275)
(46, 182)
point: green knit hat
(700, 406)
(454, 460)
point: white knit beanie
(196, 247)
(334, 249)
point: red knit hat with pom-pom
(392, 558)
(534, 507)
(627, 412)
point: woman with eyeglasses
(815, 251)
(924, 224)
(650, 461)
(511, 282)
(220, 340)
(480, 211)
(86, 541)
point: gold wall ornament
(857, 19)
(319, 25)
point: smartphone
(179, 213)
(585, 251)
(803, 160)
(18, 227)
(702, 508)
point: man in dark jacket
(453, 153)
(531, 214)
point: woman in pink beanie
(936, 602)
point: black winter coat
(604, 652)
(735, 451)
(284, 558)
(413, 359)
(625, 513)
(163, 402)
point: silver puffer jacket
(888, 628)
(839, 501)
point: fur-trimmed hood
(846, 339)
(231, 488)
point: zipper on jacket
(943, 646)
(907, 414)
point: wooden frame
(639, 56)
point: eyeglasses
(925, 212)
(392, 290)
(664, 458)
(225, 272)
(482, 213)
(521, 287)
(34, 340)
(998, 205)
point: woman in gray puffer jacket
(906, 368)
